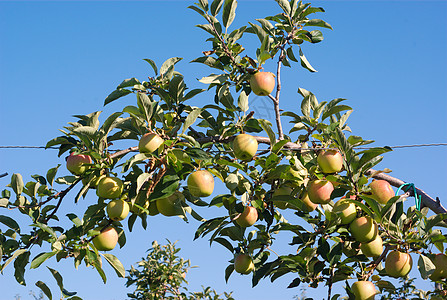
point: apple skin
(308, 205)
(248, 217)
(200, 183)
(243, 264)
(381, 191)
(440, 261)
(118, 209)
(363, 229)
(345, 210)
(109, 187)
(372, 248)
(106, 240)
(149, 142)
(319, 191)
(330, 161)
(76, 163)
(262, 83)
(398, 264)
(245, 147)
(364, 290)
(170, 205)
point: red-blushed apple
(243, 264)
(345, 210)
(77, 164)
(330, 161)
(149, 142)
(398, 264)
(200, 183)
(117, 209)
(440, 261)
(109, 187)
(171, 205)
(245, 147)
(248, 217)
(106, 240)
(262, 83)
(381, 191)
(372, 248)
(363, 229)
(319, 191)
(364, 290)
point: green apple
(440, 261)
(308, 205)
(117, 209)
(245, 147)
(106, 240)
(345, 210)
(363, 229)
(79, 163)
(262, 83)
(319, 191)
(330, 161)
(248, 217)
(200, 183)
(398, 264)
(364, 290)
(381, 191)
(243, 264)
(149, 142)
(109, 187)
(171, 205)
(372, 248)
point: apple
(398, 264)
(243, 264)
(345, 210)
(381, 191)
(372, 248)
(308, 205)
(440, 261)
(170, 206)
(109, 187)
(200, 183)
(77, 164)
(106, 240)
(118, 209)
(248, 217)
(284, 190)
(245, 147)
(262, 83)
(364, 290)
(363, 229)
(330, 161)
(149, 142)
(319, 191)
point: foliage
(323, 249)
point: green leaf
(435, 221)
(116, 264)
(153, 65)
(148, 106)
(285, 6)
(17, 183)
(224, 243)
(216, 5)
(305, 106)
(10, 223)
(116, 94)
(168, 64)
(318, 23)
(51, 174)
(110, 123)
(267, 126)
(128, 82)
(44, 288)
(334, 110)
(19, 266)
(204, 4)
(305, 63)
(242, 101)
(291, 55)
(40, 258)
(425, 266)
(58, 278)
(191, 118)
(229, 12)
(75, 219)
(46, 228)
(13, 256)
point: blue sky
(58, 59)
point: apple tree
(313, 179)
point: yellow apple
(248, 217)
(381, 191)
(200, 183)
(171, 205)
(243, 264)
(106, 240)
(363, 290)
(109, 187)
(245, 147)
(330, 161)
(319, 191)
(149, 142)
(372, 248)
(363, 229)
(398, 264)
(79, 163)
(117, 210)
(262, 83)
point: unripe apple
(262, 83)
(330, 161)
(149, 142)
(106, 240)
(248, 217)
(440, 261)
(243, 264)
(283, 190)
(398, 264)
(200, 183)
(109, 187)
(363, 229)
(170, 206)
(381, 191)
(372, 248)
(345, 210)
(245, 147)
(364, 290)
(78, 164)
(118, 209)
(319, 191)
(308, 205)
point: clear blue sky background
(57, 59)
